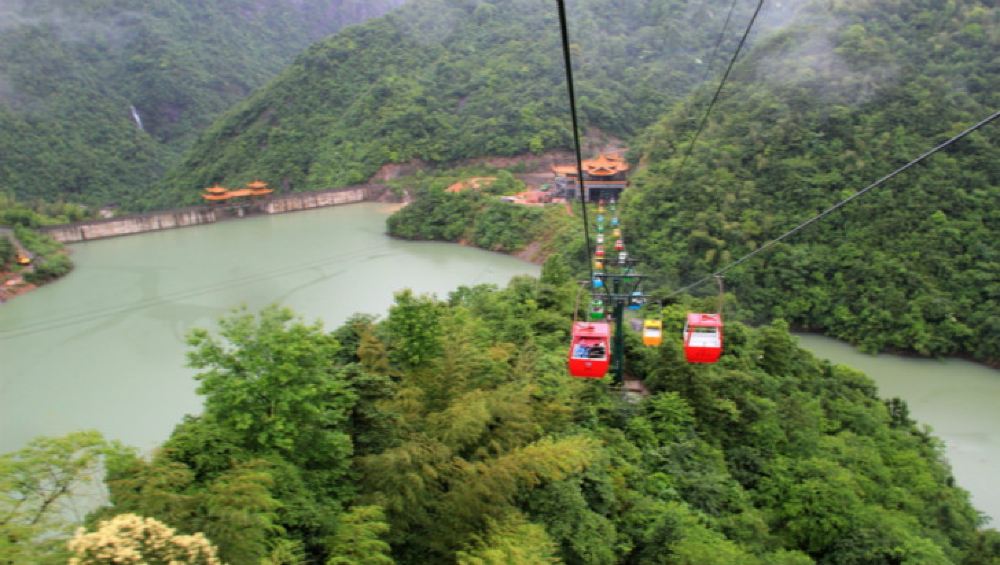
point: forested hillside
(450, 433)
(444, 80)
(73, 72)
(842, 95)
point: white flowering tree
(132, 539)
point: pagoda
(604, 178)
(253, 190)
(215, 193)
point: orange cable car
(590, 350)
(652, 333)
(703, 338)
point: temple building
(220, 195)
(604, 178)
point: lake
(104, 347)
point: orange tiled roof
(605, 165)
(602, 166)
(216, 196)
(257, 184)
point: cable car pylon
(614, 287)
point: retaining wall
(153, 221)
(127, 225)
(309, 200)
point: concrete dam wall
(127, 225)
(168, 219)
(309, 200)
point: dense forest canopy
(72, 72)
(449, 432)
(841, 96)
(439, 81)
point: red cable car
(590, 350)
(703, 338)
(600, 251)
(619, 245)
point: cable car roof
(705, 320)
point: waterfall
(136, 118)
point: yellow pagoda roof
(601, 166)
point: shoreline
(199, 215)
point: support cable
(718, 42)
(576, 130)
(840, 204)
(715, 97)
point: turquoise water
(104, 347)
(956, 398)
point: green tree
(413, 329)
(271, 380)
(39, 484)
(358, 538)
(514, 541)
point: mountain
(438, 81)
(98, 97)
(833, 97)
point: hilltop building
(604, 178)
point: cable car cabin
(622, 257)
(635, 300)
(617, 232)
(600, 251)
(619, 245)
(600, 218)
(590, 351)
(614, 221)
(703, 338)
(652, 333)
(600, 238)
(596, 310)
(598, 265)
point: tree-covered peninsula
(449, 432)
(28, 256)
